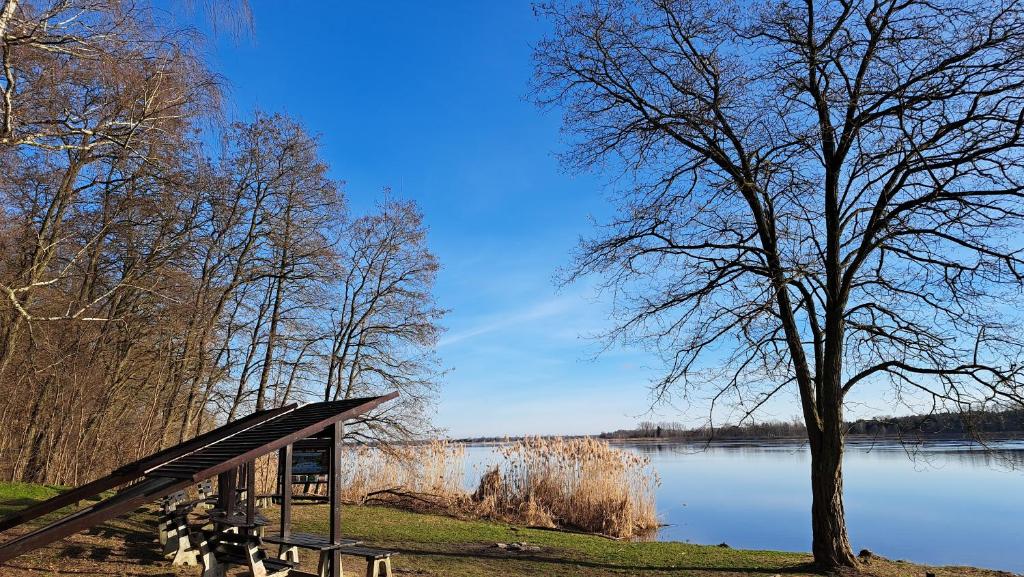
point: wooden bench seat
(378, 561)
(290, 545)
(366, 552)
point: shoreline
(850, 439)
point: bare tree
(385, 323)
(96, 125)
(300, 214)
(824, 193)
(86, 85)
(151, 283)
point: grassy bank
(435, 546)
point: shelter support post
(250, 491)
(337, 436)
(284, 479)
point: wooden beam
(250, 491)
(313, 443)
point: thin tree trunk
(268, 355)
(6, 13)
(250, 358)
(275, 315)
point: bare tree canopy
(826, 194)
(161, 271)
(385, 321)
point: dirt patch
(125, 547)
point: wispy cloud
(497, 322)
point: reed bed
(581, 484)
(578, 483)
(422, 475)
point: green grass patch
(15, 496)
(465, 547)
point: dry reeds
(429, 473)
(579, 483)
(583, 484)
(424, 476)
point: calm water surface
(945, 503)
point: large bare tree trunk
(831, 546)
(831, 543)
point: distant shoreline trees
(914, 427)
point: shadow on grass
(135, 539)
(11, 506)
(139, 542)
(67, 571)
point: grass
(14, 496)
(444, 546)
(434, 546)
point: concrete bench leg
(374, 566)
(211, 567)
(256, 566)
(164, 528)
(171, 540)
(180, 544)
(288, 553)
(186, 557)
(185, 554)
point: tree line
(163, 270)
(940, 424)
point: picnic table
(174, 532)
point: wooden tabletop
(237, 520)
(309, 541)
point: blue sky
(429, 98)
(430, 101)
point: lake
(944, 503)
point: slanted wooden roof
(228, 453)
(177, 467)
